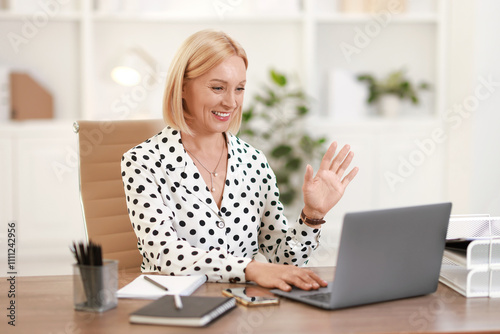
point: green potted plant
(391, 90)
(274, 122)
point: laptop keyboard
(323, 297)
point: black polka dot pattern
(181, 231)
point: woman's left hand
(325, 189)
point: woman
(202, 201)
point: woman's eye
(241, 89)
(217, 88)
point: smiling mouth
(221, 114)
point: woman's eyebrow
(225, 82)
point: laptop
(384, 255)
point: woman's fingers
(349, 177)
(308, 176)
(327, 158)
(341, 156)
(345, 164)
(304, 279)
(332, 162)
(282, 285)
(269, 275)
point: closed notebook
(140, 288)
(196, 311)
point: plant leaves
(282, 178)
(287, 197)
(274, 121)
(281, 150)
(246, 116)
(302, 110)
(293, 164)
(278, 78)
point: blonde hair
(198, 54)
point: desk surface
(45, 305)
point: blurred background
(412, 85)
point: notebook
(140, 288)
(196, 311)
(384, 255)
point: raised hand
(323, 190)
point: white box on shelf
(198, 7)
(422, 6)
(24, 6)
(278, 6)
(346, 95)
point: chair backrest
(101, 145)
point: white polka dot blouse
(180, 229)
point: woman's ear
(183, 89)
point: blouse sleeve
(162, 250)
(279, 242)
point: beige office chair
(101, 145)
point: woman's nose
(229, 100)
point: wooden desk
(45, 305)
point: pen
(178, 301)
(155, 283)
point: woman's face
(214, 98)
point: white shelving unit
(317, 28)
(71, 52)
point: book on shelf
(141, 288)
(195, 312)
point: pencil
(155, 283)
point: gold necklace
(212, 174)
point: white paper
(140, 288)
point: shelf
(249, 18)
(378, 122)
(429, 18)
(176, 17)
(59, 17)
(313, 47)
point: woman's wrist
(250, 270)
(312, 213)
(314, 220)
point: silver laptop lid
(390, 254)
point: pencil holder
(95, 287)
